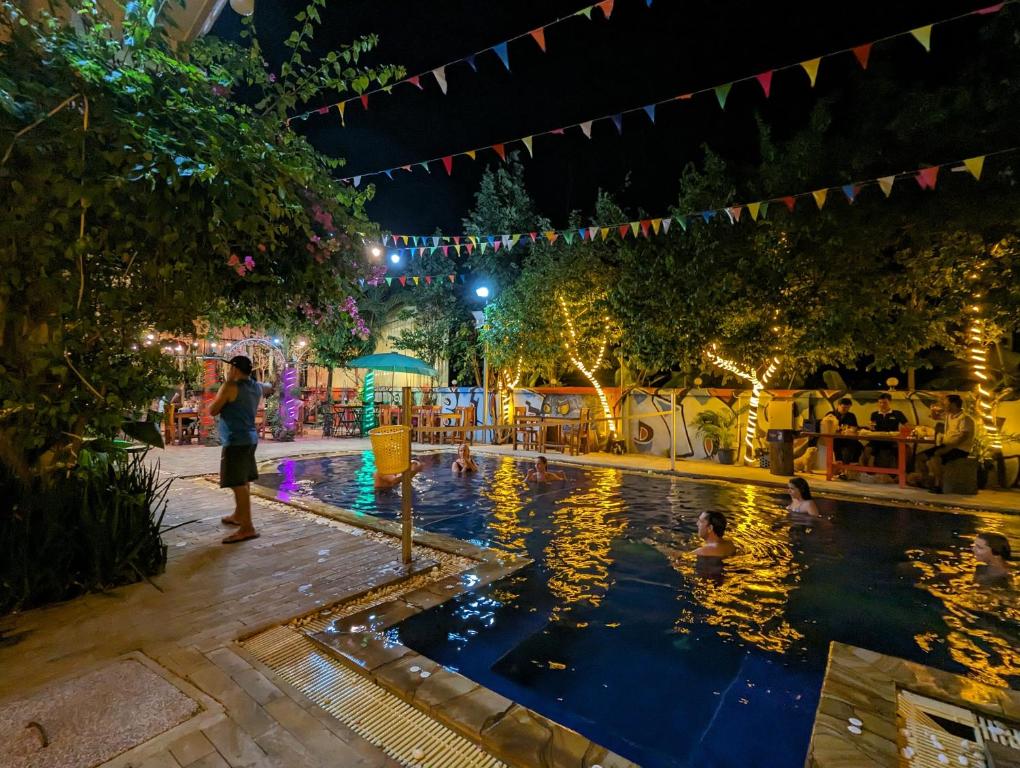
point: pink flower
(249, 262)
(233, 260)
(240, 270)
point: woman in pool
(382, 482)
(541, 473)
(992, 552)
(464, 462)
(800, 497)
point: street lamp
(376, 251)
(395, 258)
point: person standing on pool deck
(236, 404)
(712, 528)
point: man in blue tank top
(236, 404)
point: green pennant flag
(586, 12)
(634, 227)
(568, 235)
(721, 92)
(764, 209)
(389, 280)
(923, 36)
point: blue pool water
(618, 633)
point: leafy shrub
(93, 528)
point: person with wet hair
(541, 473)
(992, 552)
(464, 462)
(712, 529)
(800, 497)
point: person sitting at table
(382, 482)
(846, 451)
(885, 419)
(541, 473)
(992, 552)
(464, 462)
(800, 498)
(957, 440)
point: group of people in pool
(464, 464)
(991, 550)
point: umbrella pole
(405, 507)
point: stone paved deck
(211, 595)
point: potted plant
(718, 433)
(990, 459)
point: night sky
(591, 68)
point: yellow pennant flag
(341, 107)
(975, 165)
(819, 195)
(656, 225)
(527, 145)
(514, 239)
(473, 239)
(885, 183)
(604, 231)
(923, 36)
(416, 279)
(634, 227)
(753, 208)
(471, 153)
(457, 249)
(811, 67)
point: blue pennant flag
(707, 215)
(471, 62)
(618, 122)
(503, 55)
(650, 111)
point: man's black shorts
(237, 466)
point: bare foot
(229, 520)
(241, 535)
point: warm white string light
(570, 344)
(508, 391)
(979, 367)
(757, 386)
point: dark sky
(591, 68)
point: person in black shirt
(846, 451)
(885, 419)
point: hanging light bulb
(243, 7)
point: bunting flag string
(720, 92)
(406, 280)
(460, 245)
(500, 49)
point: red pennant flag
(765, 81)
(500, 150)
(606, 6)
(448, 164)
(534, 236)
(456, 239)
(415, 81)
(446, 250)
(406, 168)
(862, 52)
(428, 279)
(452, 278)
(364, 101)
(539, 36)
(623, 230)
(790, 202)
(470, 247)
(990, 9)
(495, 246)
(735, 212)
(557, 131)
(926, 177)
(403, 279)
(645, 224)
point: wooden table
(902, 441)
(544, 425)
(181, 415)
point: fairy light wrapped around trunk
(757, 386)
(570, 344)
(368, 403)
(977, 345)
(289, 404)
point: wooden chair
(526, 433)
(578, 438)
(170, 425)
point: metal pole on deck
(405, 506)
(672, 431)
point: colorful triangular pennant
(811, 67)
(440, 73)
(765, 81)
(862, 53)
(975, 165)
(819, 196)
(721, 92)
(926, 177)
(923, 36)
(503, 55)
(539, 37)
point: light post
(482, 292)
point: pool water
(618, 632)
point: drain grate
(935, 734)
(407, 735)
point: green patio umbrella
(386, 361)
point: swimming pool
(615, 632)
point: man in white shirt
(956, 442)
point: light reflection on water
(615, 616)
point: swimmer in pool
(464, 462)
(992, 552)
(712, 528)
(800, 497)
(541, 473)
(382, 482)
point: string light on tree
(573, 353)
(979, 340)
(757, 386)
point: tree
(138, 195)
